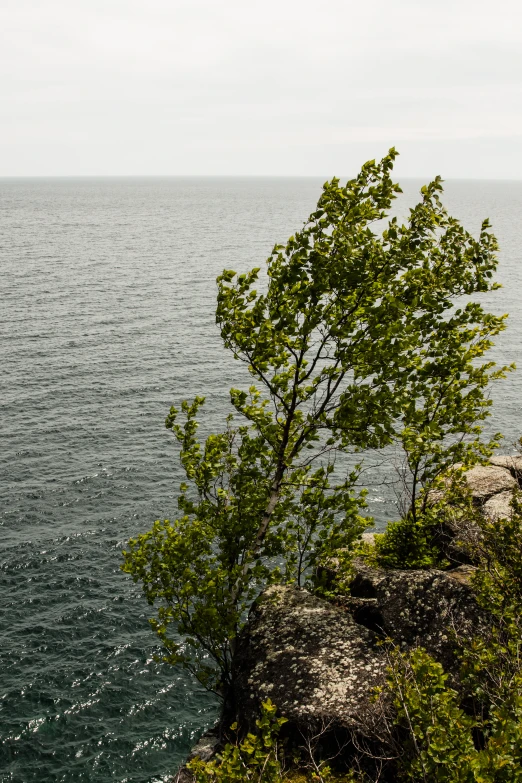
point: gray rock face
(205, 749)
(484, 481)
(460, 540)
(462, 574)
(311, 658)
(183, 775)
(492, 488)
(319, 663)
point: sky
(271, 87)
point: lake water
(106, 319)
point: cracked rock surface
(511, 463)
(492, 488)
(498, 506)
(319, 662)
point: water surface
(106, 319)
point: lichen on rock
(310, 657)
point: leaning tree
(361, 337)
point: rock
(460, 533)
(511, 463)
(462, 574)
(183, 775)
(485, 481)
(206, 746)
(418, 608)
(314, 661)
(205, 749)
(459, 540)
(499, 506)
(319, 662)
(367, 580)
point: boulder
(320, 662)
(421, 608)
(498, 506)
(485, 481)
(206, 747)
(311, 658)
(492, 487)
(462, 574)
(459, 539)
(460, 535)
(511, 463)
(183, 775)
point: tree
(353, 325)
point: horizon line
(8, 177)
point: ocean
(106, 319)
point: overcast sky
(280, 87)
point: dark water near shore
(106, 319)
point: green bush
(409, 543)
(256, 758)
(420, 540)
(439, 744)
(439, 736)
(259, 758)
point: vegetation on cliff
(434, 726)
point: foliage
(499, 580)
(408, 543)
(257, 758)
(441, 421)
(448, 401)
(418, 541)
(195, 565)
(356, 343)
(260, 758)
(441, 741)
(438, 736)
(492, 663)
(501, 759)
(438, 740)
(470, 736)
(446, 404)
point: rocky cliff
(319, 661)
